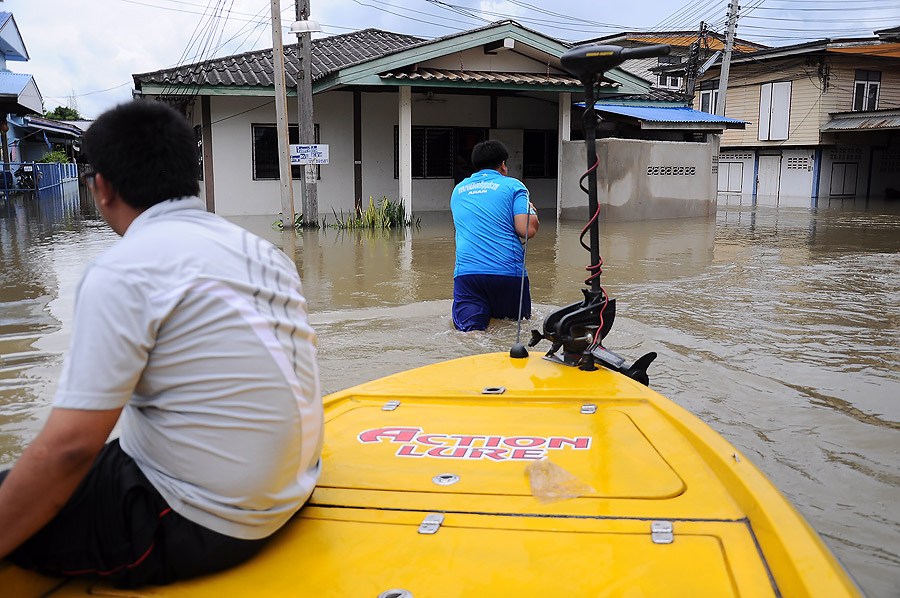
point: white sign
(309, 154)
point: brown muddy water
(779, 327)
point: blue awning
(669, 117)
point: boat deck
(494, 476)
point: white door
(731, 177)
(514, 140)
(768, 178)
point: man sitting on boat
(194, 331)
(491, 213)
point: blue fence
(36, 175)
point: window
(265, 152)
(709, 96)
(774, 111)
(665, 80)
(439, 152)
(865, 90)
(539, 154)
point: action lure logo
(414, 442)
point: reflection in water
(778, 327)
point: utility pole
(693, 64)
(306, 121)
(281, 126)
(733, 9)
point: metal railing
(36, 176)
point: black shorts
(119, 528)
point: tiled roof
(654, 95)
(257, 69)
(432, 74)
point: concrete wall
(642, 180)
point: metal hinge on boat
(431, 524)
(390, 405)
(661, 532)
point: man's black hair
(489, 154)
(146, 150)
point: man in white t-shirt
(192, 332)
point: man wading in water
(491, 213)
(194, 331)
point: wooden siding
(843, 74)
(810, 106)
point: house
(400, 115)
(19, 93)
(697, 46)
(31, 137)
(824, 119)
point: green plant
(55, 156)
(298, 222)
(388, 214)
(63, 113)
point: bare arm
(530, 220)
(49, 470)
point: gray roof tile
(256, 68)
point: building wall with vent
(643, 180)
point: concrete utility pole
(281, 125)
(733, 9)
(306, 120)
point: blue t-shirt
(484, 206)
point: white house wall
(232, 117)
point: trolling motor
(579, 328)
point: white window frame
(711, 96)
(862, 93)
(668, 81)
(774, 111)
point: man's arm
(49, 470)
(530, 220)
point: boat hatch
(485, 449)
(338, 552)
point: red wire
(595, 269)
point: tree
(63, 113)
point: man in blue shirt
(492, 214)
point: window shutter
(765, 110)
(781, 111)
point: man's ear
(104, 192)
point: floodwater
(779, 327)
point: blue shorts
(479, 297)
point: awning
(876, 120)
(53, 127)
(19, 94)
(674, 117)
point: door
(514, 140)
(768, 178)
(731, 175)
(843, 178)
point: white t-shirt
(198, 328)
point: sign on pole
(316, 153)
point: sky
(83, 54)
